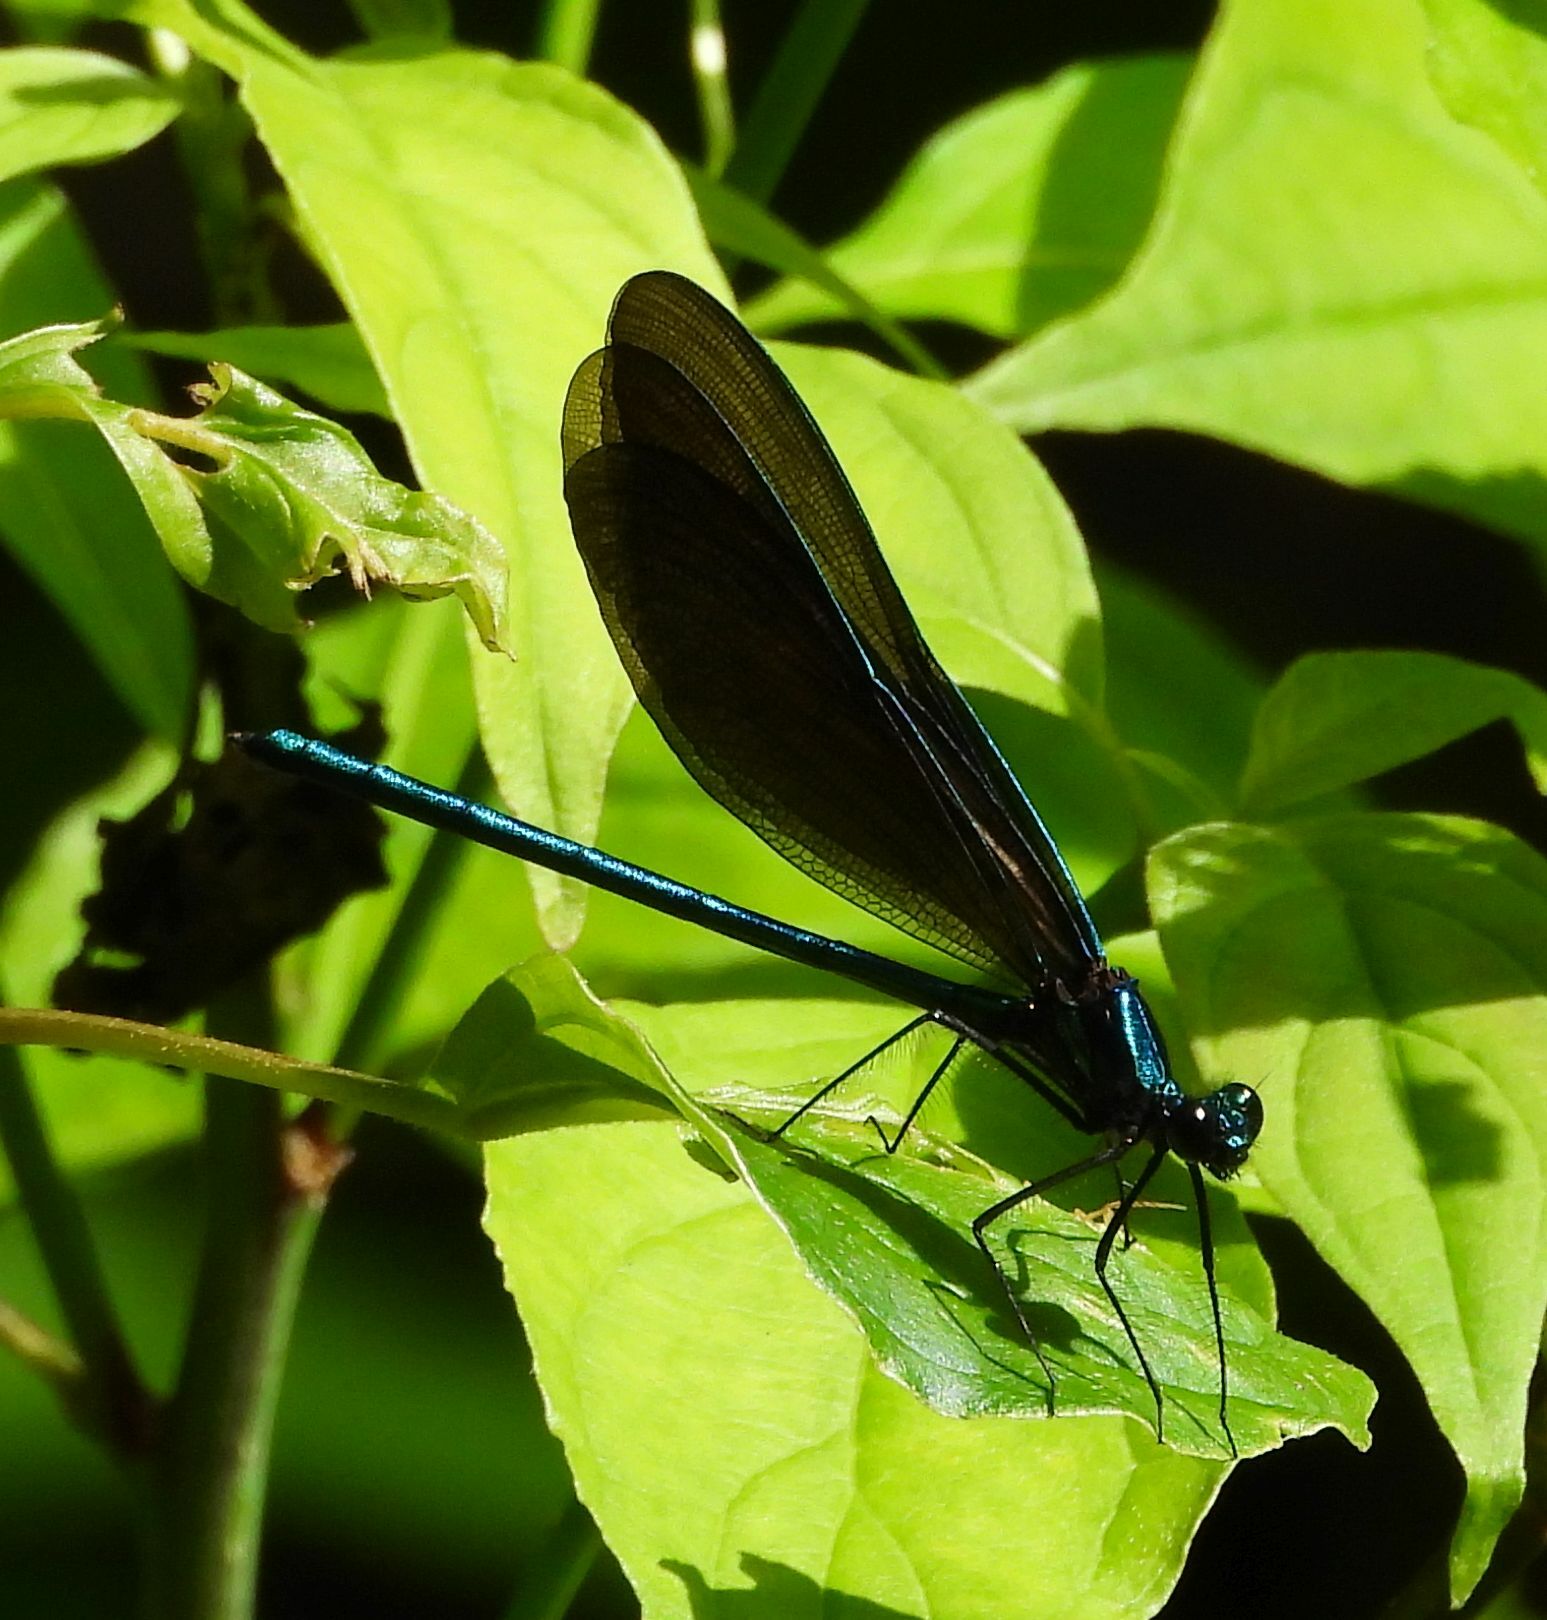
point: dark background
(1278, 560)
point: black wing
(766, 638)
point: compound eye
(1246, 1105)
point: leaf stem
(559, 1569)
(566, 33)
(212, 1469)
(212, 134)
(744, 229)
(182, 431)
(706, 52)
(182, 1049)
(790, 92)
(1209, 804)
(111, 1401)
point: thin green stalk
(566, 33)
(743, 229)
(113, 1403)
(212, 134)
(788, 96)
(266, 1182)
(707, 55)
(559, 1569)
(178, 1048)
(1209, 805)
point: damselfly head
(1216, 1131)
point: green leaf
(981, 540)
(536, 1050)
(1179, 696)
(1338, 274)
(988, 554)
(642, 1278)
(478, 216)
(66, 512)
(1335, 719)
(293, 498)
(643, 1271)
(39, 374)
(1015, 213)
(327, 362)
(889, 1236)
(66, 106)
(1489, 65)
(1382, 979)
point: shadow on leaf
(778, 1591)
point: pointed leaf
(1335, 719)
(65, 106)
(477, 217)
(1339, 273)
(889, 1236)
(1383, 979)
(39, 374)
(740, 1451)
(1014, 213)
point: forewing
(766, 637)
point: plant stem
(743, 229)
(212, 134)
(568, 27)
(788, 95)
(559, 1569)
(111, 1400)
(267, 1181)
(706, 51)
(92, 1032)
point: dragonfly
(749, 602)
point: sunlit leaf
(478, 216)
(1335, 719)
(1383, 980)
(662, 1270)
(64, 106)
(1014, 213)
(889, 1236)
(1338, 273)
(291, 498)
